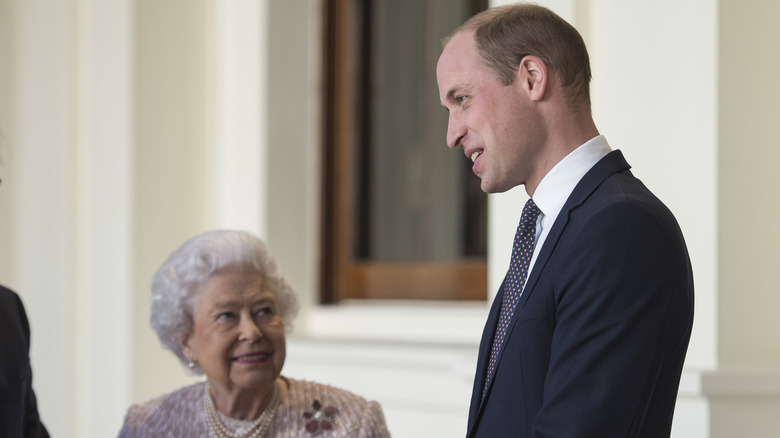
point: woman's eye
(225, 316)
(264, 311)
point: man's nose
(456, 130)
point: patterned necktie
(523, 249)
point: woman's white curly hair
(178, 283)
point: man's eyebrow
(452, 92)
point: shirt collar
(557, 185)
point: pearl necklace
(258, 429)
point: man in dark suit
(18, 408)
(588, 333)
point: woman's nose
(249, 331)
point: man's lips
(474, 155)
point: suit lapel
(484, 353)
(612, 163)
(607, 166)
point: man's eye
(460, 99)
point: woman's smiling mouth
(252, 358)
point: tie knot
(525, 238)
(530, 211)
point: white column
(238, 115)
(104, 211)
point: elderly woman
(220, 305)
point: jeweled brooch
(319, 418)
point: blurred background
(127, 127)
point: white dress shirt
(556, 187)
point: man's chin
(489, 187)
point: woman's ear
(186, 348)
(532, 76)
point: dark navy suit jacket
(597, 343)
(18, 408)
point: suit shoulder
(14, 327)
(10, 300)
(6, 293)
(624, 194)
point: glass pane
(417, 200)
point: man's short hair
(504, 35)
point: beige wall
(129, 126)
(748, 183)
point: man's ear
(532, 76)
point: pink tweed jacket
(309, 410)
